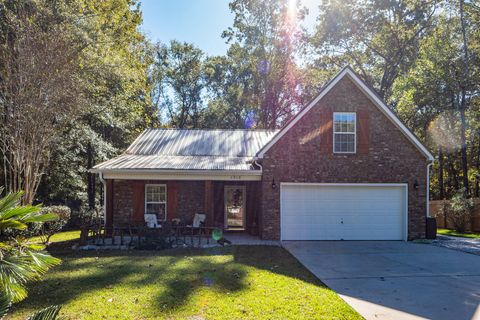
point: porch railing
(130, 235)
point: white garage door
(343, 212)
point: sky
(200, 22)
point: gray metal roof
(148, 162)
(191, 149)
(185, 142)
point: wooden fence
(442, 221)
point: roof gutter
(145, 174)
(258, 164)
(180, 172)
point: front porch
(101, 238)
(227, 205)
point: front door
(235, 207)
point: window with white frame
(344, 132)
(156, 200)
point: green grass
(60, 237)
(454, 233)
(254, 282)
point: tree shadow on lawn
(176, 273)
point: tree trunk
(464, 150)
(477, 180)
(452, 174)
(441, 189)
(463, 101)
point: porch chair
(151, 220)
(199, 220)
(197, 228)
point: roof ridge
(206, 129)
(184, 156)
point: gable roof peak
(369, 92)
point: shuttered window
(156, 200)
(344, 132)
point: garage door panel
(329, 212)
(301, 234)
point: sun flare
(292, 10)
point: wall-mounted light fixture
(415, 184)
(274, 185)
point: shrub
(48, 229)
(460, 210)
(152, 240)
(90, 217)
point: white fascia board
(230, 175)
(370, 94)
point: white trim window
(156, 200)
(344, 132)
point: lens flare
(292, 10)
(444, 132)
(250, 120)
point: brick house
(344, 168)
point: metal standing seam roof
(191, 149)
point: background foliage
(421, 56)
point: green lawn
(241, 282)
(61, 236)
(454, 233)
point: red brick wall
(389, 157)
(122, 202)
(189, 197)
(184, 199)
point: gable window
(156, 200)
(344, 132)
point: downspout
(259, 215)
(258, 164)
(100, 175)
(428, 188)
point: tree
(378, 38)
(434, 98)
(265, 35)
(115, 70)
(459, 211)
(108, 103)
(179, 71)
(424, 96)
(465, 88)
(228, 90)
(38, 89)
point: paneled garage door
(343, 211)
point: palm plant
(20, 261)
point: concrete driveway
(396, 280)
